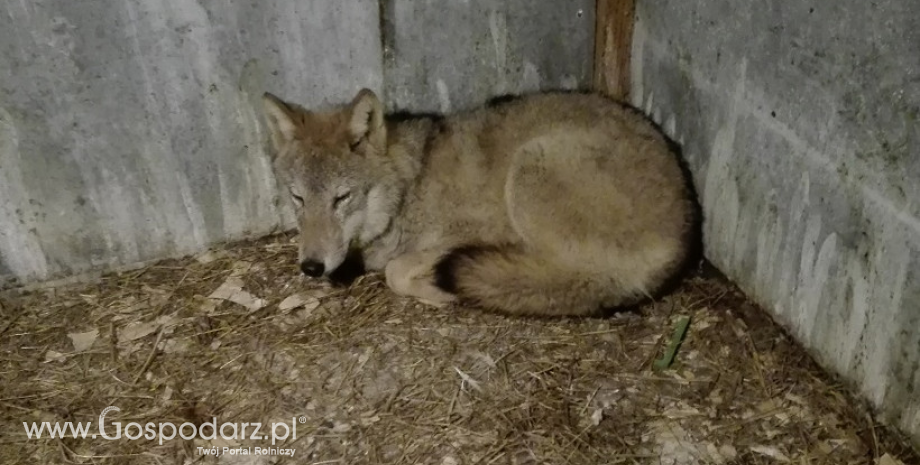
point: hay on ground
(235, 334)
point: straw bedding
(236, 334)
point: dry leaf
(772, 452)
(173, 346)
(364, 357)
(728, 451)
(673, 444)
(368, 421)
(83, 341)
(138, 329)
(205, 305)
(714, 453)
(341, 427)
(887, 459)
(156, 297)
(52, 356)
(309, 303)
(232, 291)
(767, 406)
(597, 416)
(240, 268)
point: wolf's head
(333, 166)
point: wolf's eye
(297, 199)
(340, 199)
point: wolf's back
(599, 212)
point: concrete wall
(494, 48)
(130, 131)
(800, 122)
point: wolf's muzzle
(312, 268)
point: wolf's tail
(512, 280)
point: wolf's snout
(312, 268)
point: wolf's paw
(434, 303)
(411, 275)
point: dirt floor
(237, 335)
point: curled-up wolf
(547, 204)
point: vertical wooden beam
(612, 46)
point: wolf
(548, 204)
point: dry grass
(380, 379)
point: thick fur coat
(548, 204)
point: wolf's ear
(365, 123)
(281, 120)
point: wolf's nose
(312, 269)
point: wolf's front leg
(412, 275)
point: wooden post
(612, 46)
